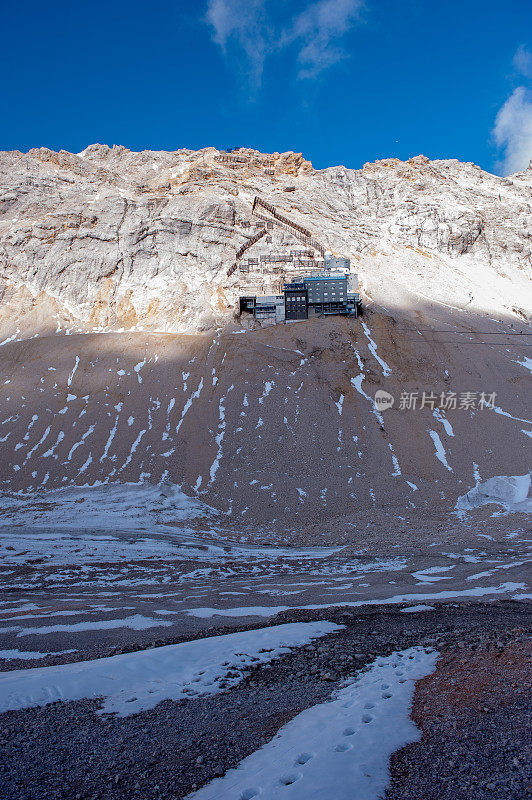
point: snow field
(337, 750)
(134, 682)
(106, 506)
(513, 492)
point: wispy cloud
(513, 125)
(523, 61)
(240, 28)
(318, 30)
(247, 33)
(513, 131)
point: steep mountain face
(110, 239)
(159, 383)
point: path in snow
(338, 750)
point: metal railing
(294, 227)
(239, 253)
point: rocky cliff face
(110, 240)
(130, 252)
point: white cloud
(513, 124)
(523, 61)
(247, 34)
(513, 131)
(318, 29)
(241, 24)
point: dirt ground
(473, 711)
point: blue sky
(343, 81)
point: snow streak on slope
(275, 405)
(440, 450)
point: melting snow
(339, 749)
(29, 655)
(112, 506)
(137, 622)
(51, 451)
(138, 368)
(134, 682)
(444, 421)
(69, 381)
(526, 363)
(386, 370)
(109, 439)
(78, 444)
(10, 338)
(193, 396)
(498, 410)
(34, 448)
(267, 389)
(269, 611)
(397, 469)
(440, 450)
(219, 438)
(512, 492)
(357, 383)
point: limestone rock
(109, 239)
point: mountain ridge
(95, 241)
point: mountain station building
(317, 294)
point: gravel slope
(66, 751)
(476, 718)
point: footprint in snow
(290, 777)
(349, 731)
(303, 758)
(367, 718)
(343, 747)
(249, 794)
